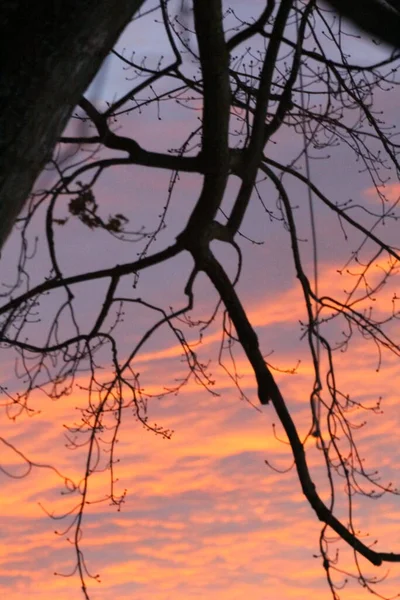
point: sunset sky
(204, 516)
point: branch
(331, 205)
(267, 389)
(257, 139)
(137, 155)
(113, 272)
(254, 28)
(214, 60)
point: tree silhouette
(38, 92)
(381, 18)
(286, 71)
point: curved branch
(267, 389)
(331, 205)
(113, 272)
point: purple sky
(204, 516)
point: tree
(43, 76)
(284, 71)
(37, 84)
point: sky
(217, 510)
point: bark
(50, 50)
(380, 18)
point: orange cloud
(387, 191)
(204, 516)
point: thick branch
(246, 334)
(137, 154)
(214, 60)
(257, 139)
(267, 389)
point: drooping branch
(341, 213)
(267, 389)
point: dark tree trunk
(50, 50)
(380, 18)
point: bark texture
(50, 50)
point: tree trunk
(50, 51)
(379, 18)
